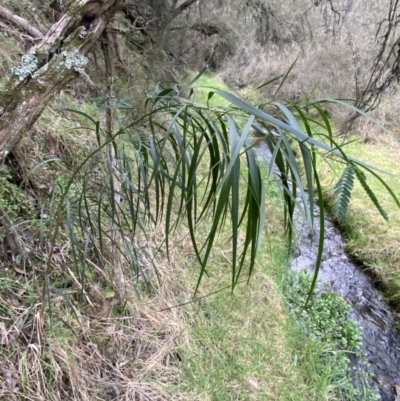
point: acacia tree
(59, 57)
(61, 53)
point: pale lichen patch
(28, 65)
(74, 60)
(82, 33)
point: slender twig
(202, 297)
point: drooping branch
(26, 26)
(49, 66)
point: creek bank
(339, 274)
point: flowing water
(339, 274)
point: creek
(339, 274)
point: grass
(224, 346)
(248, 346)
(209, 81)
(371, 239)
(237, 348)
(236, 344)
(204, 85)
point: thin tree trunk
(116, 240)
(49, 66)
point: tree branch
(137, 24)
(176, 11)
(184, 5)
(14, 32)
(49, 66)
(8, 16)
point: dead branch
(33, 12)
(15, 33)
(26, 26)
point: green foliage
(232, 349)
(204, 84)
(327, 323)
(72, 192)
(363, 180)
(342, 193)
(190, 163)
(13, 200)
(369, 237)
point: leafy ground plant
(337, 339)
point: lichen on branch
(29, 64)
(74, 60)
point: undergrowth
(333, 336)
(68, 333)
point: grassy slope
(370, 238)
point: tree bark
(49, 66)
